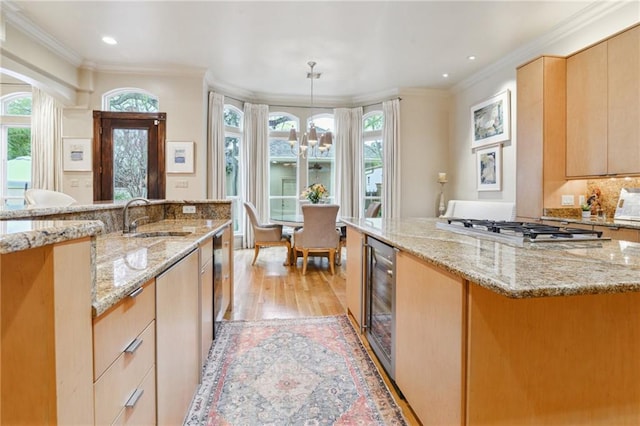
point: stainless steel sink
(161, 234)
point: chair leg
(305, 256)
(332, 259)
(255, 255)
(339, 256)
(287, 261)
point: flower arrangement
(315, 192)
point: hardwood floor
(269, 290)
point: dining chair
(267, 234)
(316, 237)
(47, 198)
(373, 210)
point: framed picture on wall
(489, 166)
(76, 154)
(491, 121)
(179, 157)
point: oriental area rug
(310, 371)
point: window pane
(323, 123)
(232, 164)
(18, 176)
(282, 123)
(372, 171)
(373, 122)
(133, 102)
(232, 118)
(321, 171)
(130, 163)
(283, 171)
(18, 106)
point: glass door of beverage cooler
(380, 302)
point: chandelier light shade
(310, 143)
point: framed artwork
(179, 157)
(76, 154)
(491, 121)
(489, 165)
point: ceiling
(262, 48)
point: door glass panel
(130, 159)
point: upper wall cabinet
(603, 108)
(587, 112)
(624, 103)
(541, 134)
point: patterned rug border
(203, 398)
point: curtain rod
(314, 107)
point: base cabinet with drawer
(124, 358)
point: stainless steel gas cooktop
(519, 232)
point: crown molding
(595, 11)
(13, 15)
(146, 70)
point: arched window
(372, 123)
(283, 165)
(129, 100)
(233, 118)
(15, 148)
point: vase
(586, 214)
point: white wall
(181, 97)
(424, 134)
(498, 77)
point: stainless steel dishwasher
(217, 282)
(380, 302)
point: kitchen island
(78, 299)
(491, 333)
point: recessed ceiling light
(471, 58)
(445, 75)
(109, 40)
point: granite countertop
(124, 262)
(17, 235)
(534, 270)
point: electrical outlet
(75, 183)
(181, 184)
(188, 209)
(567, 200)
(582, 199)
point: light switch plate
(568, 200)
(188, 209)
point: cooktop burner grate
(522, 231)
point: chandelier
(310, 144)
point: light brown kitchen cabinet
(541, 134)
(616, 233)
(430, 334)
(623, 146)
(354, 282)
(177, 339)
(206, 299)
(587, 112)
(46, 342)
(124, 351)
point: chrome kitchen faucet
(126, 227)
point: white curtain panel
(391, 162)
(254, 157)
(215, 136)
(349, 163)
(46, 142)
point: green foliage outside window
(133, 102)
(18, 142)
(18, 106)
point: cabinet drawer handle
(614, 228)
(133, 346)
(226, 277)
(133, 399)
(136, 292)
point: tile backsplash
(609, 190)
